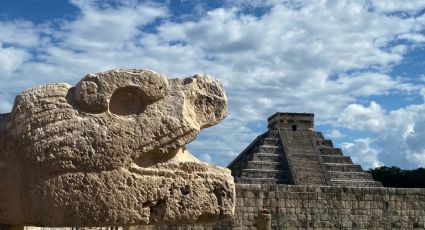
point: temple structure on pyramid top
(292, 152)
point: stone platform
(324, 208)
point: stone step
(270, 157)
(295, 144)
(274, 141)
(262, 173)
(272, 134)
(268, 149)
(307, 168)
(331, 151)
(300, 152)
(304, 157)
(305, 163)
(266, 165)
(319, 136)
(343, 167)
(309, 173)
(355, 183)
(336, 159)
(298, 139)
(302, 147)
(243, 180)
(326, 142)
(350, 175)
(310, 178)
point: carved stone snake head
(119, 133)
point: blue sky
(358, 65)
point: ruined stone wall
(312, 207)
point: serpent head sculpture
(111, 151)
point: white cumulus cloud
(362, 153)
(335, 133)
(357, 116)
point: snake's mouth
(58, 154)
(178, 168)
(166, 148)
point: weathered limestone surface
(323, 208)
(110, 151)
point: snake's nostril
(128, 100)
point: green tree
(398, 178)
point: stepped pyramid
(291, 152)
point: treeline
(399, 178)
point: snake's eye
(122, 92)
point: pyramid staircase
(305, 162)
(265, 163)
(339, 168)
(285, 155)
